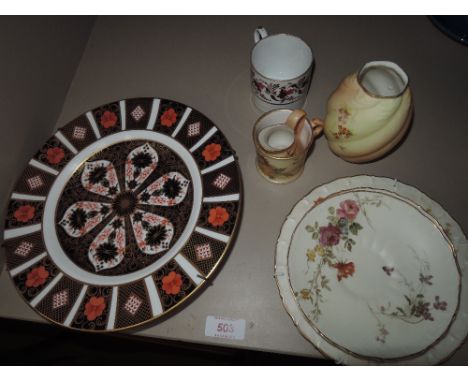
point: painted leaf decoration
(140, 163)
(82, 217)
(153, 233)
(108, 248)
(168, 190)
(99, 177)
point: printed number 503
(225, 328)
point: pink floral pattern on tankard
(279, 92)
(281, 67)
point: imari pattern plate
(123, 214)
(372, 271)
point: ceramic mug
(369, 112)
(281, 69)
(282, 140)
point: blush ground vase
(369, 113)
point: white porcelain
(372, 271)
(281, 67)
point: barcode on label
(224, 327)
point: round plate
(372, 271)
(123, 214)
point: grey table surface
(204, 62)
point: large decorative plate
(372, 271)
(123, 214)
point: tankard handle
(260, 33)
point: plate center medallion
(124, 207)
(125, 203)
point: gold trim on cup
(271, 153)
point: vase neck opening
(383, 79)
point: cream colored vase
(369, 112)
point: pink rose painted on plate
(338, 232)
(348, 209)
(329, 235)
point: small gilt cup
(282, 140)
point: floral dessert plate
(122, 215)
(372, 271)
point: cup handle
(294, 119)
(296, 122)
(317, 126)
(260, 33)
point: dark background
(25, 343)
